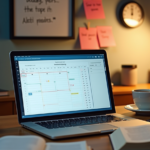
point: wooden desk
(122, 96)
(9, 126)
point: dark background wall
(133, 45)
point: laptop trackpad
(98, 127)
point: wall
(133, 45)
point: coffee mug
(141, 98)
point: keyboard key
(83, 121)
(61, 123)
(55, 124)
(50, 124)
(45, 124)
(99, 119)
(104, 119)
(67, 123)
(93, 120)
(77, 122)
(88, 120)
(72, 122)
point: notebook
(61, 94)
(3, 92)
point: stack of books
(3, 92)
(131, 138)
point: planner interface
(60, 85)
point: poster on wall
(31, 19)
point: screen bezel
(56, 52)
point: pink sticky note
(105, 36)
(94, 9)
(88, 38)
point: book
(131, 138)
(38, 143)
(3, 92)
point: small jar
(129, 75)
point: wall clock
(132, 14)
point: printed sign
(43, 18)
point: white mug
(141, 98)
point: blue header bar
(58, 57)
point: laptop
(62, 94)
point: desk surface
(120, 90)
(9, 126)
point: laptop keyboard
(79, 121)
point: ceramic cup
(141, 98)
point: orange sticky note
(105, 36)
(94, 9)
(88, 38)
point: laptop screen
(52, 85)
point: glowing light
(131, 22)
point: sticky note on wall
(105, 36)
(94, 9)
(88, 38)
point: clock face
(132, 14)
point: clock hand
(132, 11)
